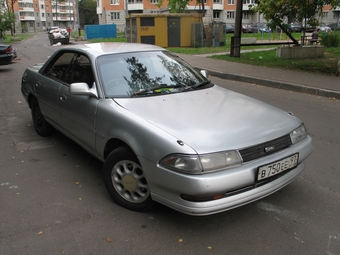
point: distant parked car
(229, 28)
(323, 28)
(52, 28)
(6, 54)
(265, 29)
(334, 26)
(247, 28)
(294, 28)
(308, 28)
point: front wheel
(125, 180)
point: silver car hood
(213, 119)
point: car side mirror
(81, 88)
(204, 73)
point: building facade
(115, 11)
(39, 15)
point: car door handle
(38, 84)
(62, 98)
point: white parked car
(165, 132)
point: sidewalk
(315, 84)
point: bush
(330, 39)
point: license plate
(277, 167)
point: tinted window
(58, 68)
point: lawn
(326, 65)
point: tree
(87, 12)
(11, 8)
(305, 11)
(175, 6)
(7, 18)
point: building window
(336, 15)
(248, 1)
(37, 14)
(245, 15)
(325, 15)
(114, 2)
(38, 24)
(47, 7)
(114, 15)
(217, 1)
(154, 1)
(230, 15)
(42, 14)
(216, 14)
(231, 2)
(42, 6)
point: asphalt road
(53, 199)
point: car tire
(125, 180)
(42, 127)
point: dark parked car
(6, 54)
(229, 29)
(164, 131)
(308, 29)
(295, 28)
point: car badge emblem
(269, 148)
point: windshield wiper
(198, 85)
(161, 89)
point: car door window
(58, 69)
(80, 71)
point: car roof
(97, 49)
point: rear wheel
(125, 180)
(40, 124)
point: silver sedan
(164, 132)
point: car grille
(266, 148)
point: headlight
(298, 134)
(204, 163)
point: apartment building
(115, 11)
(39, 15)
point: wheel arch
(30, 98)
(113, 144)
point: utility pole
(235, 47)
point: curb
(277, 84)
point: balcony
(26, 17)
(217, 6)
(26, 9)
(63, 19)
(134, 5)
(26, 1)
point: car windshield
(146, 74)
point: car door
(77, 112)
(48, 84)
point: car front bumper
(238, 184)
